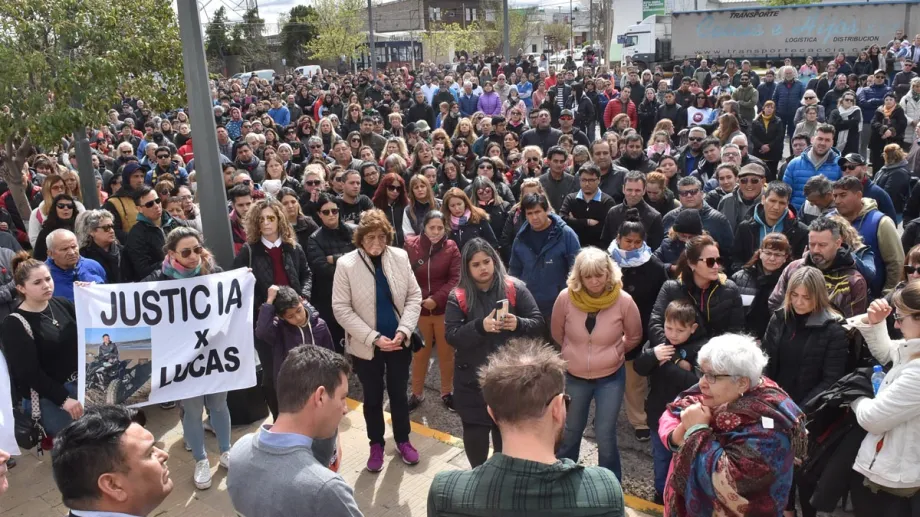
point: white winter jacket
(894, 413)
(354, 297)
(912, 112)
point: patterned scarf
(177, 271)
(632, 258)
(457, 222)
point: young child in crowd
(673, 368)
(174, 208)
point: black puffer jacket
(747, 236)
(823, 359)
(256, 256)
(667, 381)
(473, 345)
(324, 243)
(895, 180)
(719, 307)
(116, 265)
(753, 281)
(643, 283)
(467, 232)
(304, 228)
(395, 214)
(145, 245)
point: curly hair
(372, 221)
(87, 222)
(254, 220)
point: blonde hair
(316, 170)
(592, 261)
(848, 233)
(812, 280)
(893, 154)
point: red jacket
(436, 267)
(187, 151)
(615, 107)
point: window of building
(434, 13)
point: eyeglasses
(748, 180)
(849, 167)
(268, 218)
(313, 183)
(566, 398)
(774, 255)
(149, 204)
(330, 211)
(106, 227)
(65, 206)
(910, 270)
(487, 167)
(188, 251)
(394, 188)
(689, 193)
(696, 139)
(900, 317)
(318, 146)
(162, 156)
(711, 261)
(810, 98)
(712, 378)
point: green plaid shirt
(509, 487)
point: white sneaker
(202, 475)
(187, 446)
(225, 460)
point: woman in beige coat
(377, 300)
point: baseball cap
(567, 113)
(852, 158)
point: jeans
(476, 442)
(193, 428)
(386, 371)
(54, 419)
(607, 393)
(661, 457)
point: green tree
(340, 29)
(217, 36)
(66, 62)
(249, 41)
(296, 32)
(522, 24)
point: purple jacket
(284, 337)
(490, 104)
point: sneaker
(202, 476)
(407, 452)
(168, 405)
(415, 401)
(187, 446)
(375, 462)
(448, 401)
(643, 435)
(209, 428)
(225, 460)
(659, 499)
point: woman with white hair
(735, 436)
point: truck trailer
(761, 33)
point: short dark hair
(680, 311)
(556, 149)
(237, 192)
(802, 136)
(780, 188)
(303, 371)
(141, 192)
(826, 128)
(709, 141)
(730, 166)
(818, 184)
(633, 137)
(242, 145)
(590, 168)
(86, 449)
(367, 118)
(850, 183)
(520, 379)
(634, 176)
(534, 201)
(286, 299)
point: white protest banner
(153, 342)
(7, 435)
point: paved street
(398, 491)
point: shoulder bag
(28, 428)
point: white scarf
(845, 115)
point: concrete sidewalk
(398, 491)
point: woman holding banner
(41, 346)
(186, 257)
(378, 326)
(272, 253)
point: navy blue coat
(546, 270)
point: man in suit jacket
(105, 464)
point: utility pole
(571, 28)
(371, 50)
(463, 10)
(211, 189)
(591, 21)
(507, 30)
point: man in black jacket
(633, 197)
(147, 238)
(772, 214)
(567, 126)
(634, 157)
(542, 136)
(586, 210)
(672, 111)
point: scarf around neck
(177, 271)
(845, 114)
(456, 222)
(887, 111)
(632, 258)
(587, 303)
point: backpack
(510, 293)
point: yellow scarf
(886, 111)
(587, 303)
(766, 120)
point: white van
(268, 74)
(308, 70)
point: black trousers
(386, 371)
(805, 490)
(880, 504)
(476, 442)
(268, 376)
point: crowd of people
(559, 237)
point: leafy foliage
(522, 24)
(558, 34)
(451, 36)
(339, 29)
(296, 32)
(217, 36)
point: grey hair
(697, 129)
(313, 140)
(734, 354)
(288, 146)
(689, 181)
(738, 138)
(819, 184)
(581, 150)
(49, 240)
(87, 222)
(823, 224)
(729, 146)
(467, 283)
(915, 80)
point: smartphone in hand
(501, 308)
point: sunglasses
(355, 140)
(485, 167)
(313, 183)
(696, 139)
(269, 218)
(689, 193)
(711, 261)
(810, 98)
(151, 203)
(188, 251)
(65, 206)
(748, 181)
(330, 211)
(161, 156)
(394, 188)
(316, 146)
(566, 398)
(106, 227)
(850, 167)
(910, 270)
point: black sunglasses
(245, 182)
(188, 251)
(149, 204)
(330, 211)
(711, 261)
(566, 398)
(106, 227)
(688, 193)
(313, 183)
(696, 139)
(161, 156)
(62, 206)
(394, 188)
(910, 270)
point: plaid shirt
(508, 487)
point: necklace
(53, 320)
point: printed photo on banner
(155, 342)
(118, 365)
